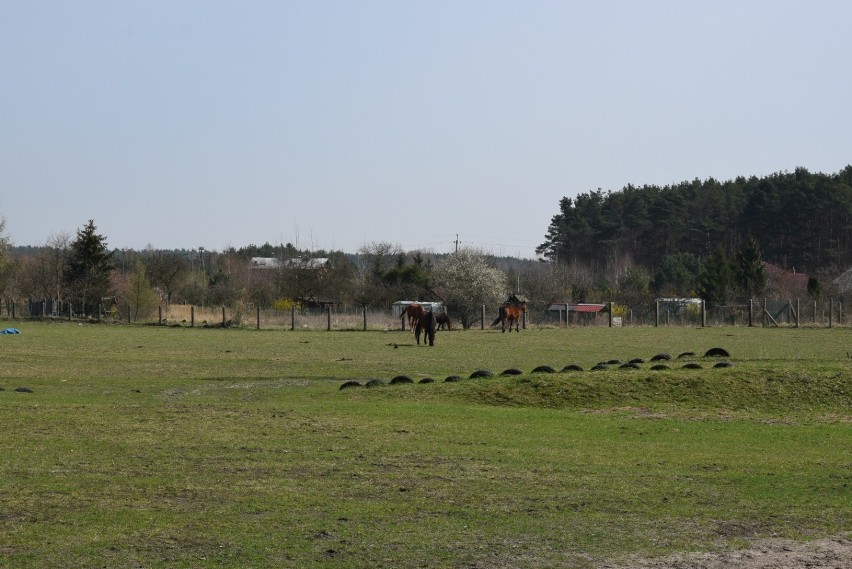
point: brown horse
(443, 319)
(427, 325)
(413, 311)
(511, 313)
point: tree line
(82, 272)
(695, 239)
(708, 238)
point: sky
(427, 125)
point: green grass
(170, 447)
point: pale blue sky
(336, 124)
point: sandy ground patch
(832, 553)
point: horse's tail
(497, 321)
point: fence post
(192, 316)
(364, 309)
(70, 311)
(129, 313)
(159, 315)
(703, 313)
(258, 317)
(611, 306)
(292, 318)
(13, 310)
(483, 317)
(798, 312)
(223, 316)
(815, 309)
(831, 312)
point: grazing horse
(413, 312)
(426, 324)
(443, 319)
(511, 313)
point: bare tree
(168, 272)
(41, 275)
(6, 263)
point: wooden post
(192, 316)
(365, 318)
(70, 311)
(703, 313)
(657, 314)
(328, 314)
(258, 317)
(839, 313)
(483, 317)
(611, 307)
(13, 310)
(765, 310)
(815, 309)
(292, 318)
(223, 316)
(160, 315)
(750, 312)
(831, 313)
(798, 312)
(129, 313)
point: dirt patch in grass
(831, 553)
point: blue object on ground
(10, 331)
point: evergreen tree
(678, 275)
(87, 274)
(716, 281)
(751, 275)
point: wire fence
(761, 313)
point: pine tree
(750, 271)
(716, 280)
(87, 274)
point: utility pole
(457, 242)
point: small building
(314, 305)
(400, 305)
(675, 306)
(265, 263)
(575, 312)
(298, 263)
(844, 282)
(783, 284)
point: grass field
(143, 446)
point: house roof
(784, 281)
(844, 281)
(274, 263)
(576, 307)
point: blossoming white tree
(467, 282)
